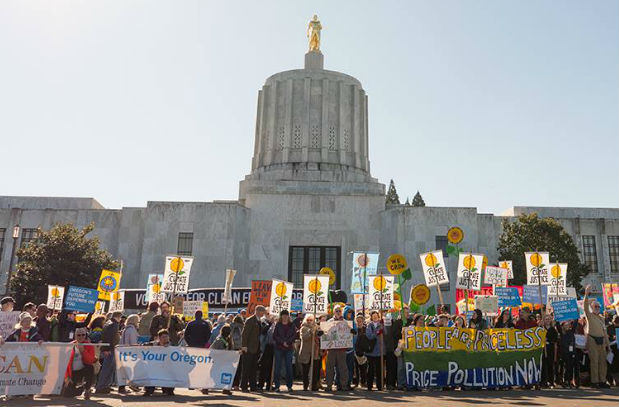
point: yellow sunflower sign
(328, 271)
(109, 282)
(281, 296)
(381, 292)
(315, 293)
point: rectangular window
(185, 244)
(310, 259)
(589, 252)
(27, 234)
(441, 244)
(613, 253)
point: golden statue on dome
(313, 33)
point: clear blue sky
(488, 104)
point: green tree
(392, 195)
(531, 233)
(407, 203)
(64, 256)
(418, 200)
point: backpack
(364, 345)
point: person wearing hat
(7, 304)
(25, 330)
(284, 337)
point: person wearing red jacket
(524, 319)
(81, 366)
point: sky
(487, 104)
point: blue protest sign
(530, 293)
(81, 299)
(508, 296)
(565, 310)
(296, 304)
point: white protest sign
(557, 277)
(507, 264)
(117, 301)
(55, 296)
(487, 304)
(315, 293)
(381, 292)
(358, 303)
(469, 271)
(8, 320)
(99, 308)
(176, 276)
(537, 267)
(175, 366)
(337, 335)
(30, 368)
(153, 288)
(227, 297)
(495, 276)
(434, 269)
(281, 296)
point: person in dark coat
(111, 335)
(250, 348)
(43, 324)
(67, 325)
(171, 323)
(284, 337)
(198, 332)
(25, 331)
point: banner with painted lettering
(358, 303)
(495, 276)
(175, 366)
(55, 295)
(337, 335)
(315, 292)
(381, 292)
(434, 270)
(557, 285)
(438, 357)
(153, 289)
(117, 301)
(281, 294)
(260, 295)
(507, 264)
(176, 275)
(469, 271)
(30, 368)
(537, 267)
(363, 265)
(487, 304)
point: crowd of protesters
(576, 352)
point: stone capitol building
(309, 201)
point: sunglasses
(80, 334)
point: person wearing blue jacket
(373, 332)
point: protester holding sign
(25, 331)
(309, 339)
(163, 339)
(67, 325)
(597, 341)
(171, 323)
(336, 358)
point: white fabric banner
(175, 366)
(30, 368)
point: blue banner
(565, 310)
(530, 293)
(508, 296)
(81, 299)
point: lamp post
(16, 231)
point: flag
(108, 283)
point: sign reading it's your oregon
(438, 357)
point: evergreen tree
(392, 195)
(407, 203)
(418, 200)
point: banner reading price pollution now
(438, 357)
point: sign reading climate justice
(437, 357)
(176, 276)
(434, 270)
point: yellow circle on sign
(455, 235)
(396, 264)
(330, 272)
(556, 271)
(280, 289)
(536, 259)
(468, 262)
(420, 294)
(177, 264)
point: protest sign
(495, 276)
(117, 301)
(507, 264)
(565, 310)
(281, 296)
(530, 294)
(537, 267)
(55, 295)
(99, 307)
(364, 265)
(227, 298)
(329, 272)
(557, 285)
(109, 282)
(438, 357)
(359, 305)
(337, 335)
(507, 296)
(176, 275)
(30, 368)
(175, 366)
(381, 292)
(190, 308)
(296, 305)
(487, 304)
(315, 291)
(610, 293)
(80, 299)
(396, 264)
(260, 295)
(420, 294)
(8, 320)
(153, 289)
(434, 270)
(469, 271)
